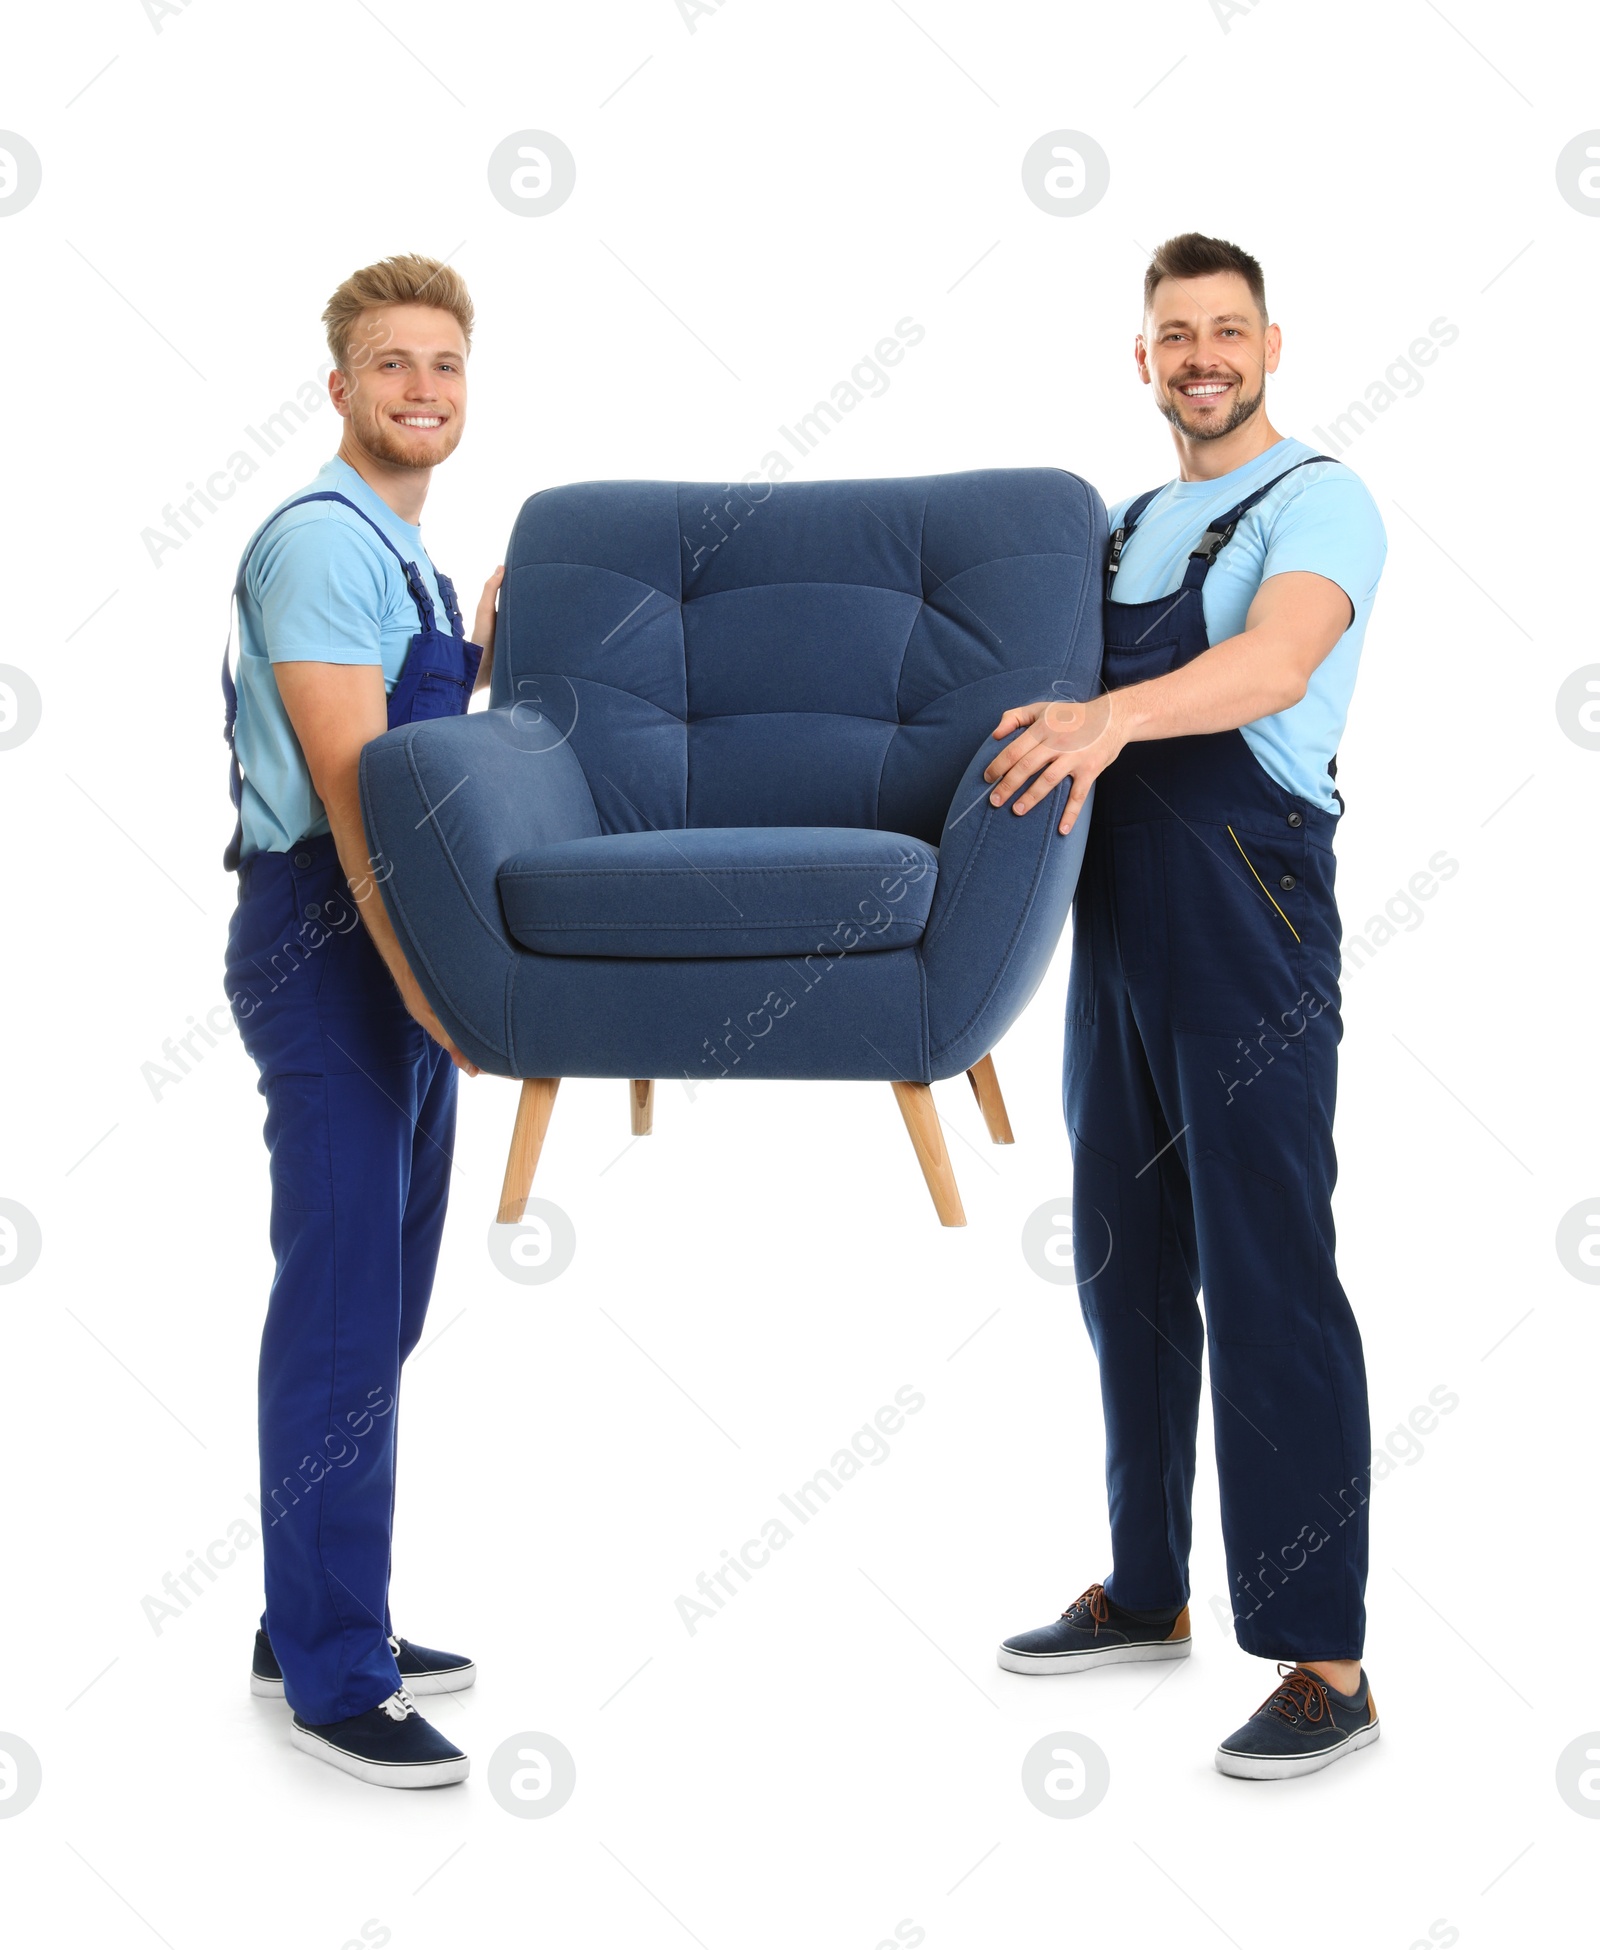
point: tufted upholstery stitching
(617, 690)
(803, 711)
(709, 777)
(820, 582)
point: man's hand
(1057, 737)
(483, 626)
(335, 709)
(1295, 620)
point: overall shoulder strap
(452, 607)
(415, 586)
(230, 693)
(1124, 533)
(1220, 531)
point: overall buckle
(1212, 541)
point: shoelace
(1096, 1603)
(1299, 1694)
(400, 1705)
(394, 1646)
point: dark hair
(1194, 256)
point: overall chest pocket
(439, 694)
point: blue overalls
(1201, 1054)
(360, 1131)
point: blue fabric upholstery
(711, 891)
(673, 658)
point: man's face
(405, 391)
(1207, 352)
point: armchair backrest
(825, 653)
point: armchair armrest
(445, 802)
(1005, 885)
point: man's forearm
(1243, 678)
(336, 710)
(342, 803)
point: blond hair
(407, 280)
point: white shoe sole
(419, 1774)
(1110, 1655)
(457, 1680)
(1285, 1767)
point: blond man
(346, 629)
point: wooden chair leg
(642, 1102)
(986, 1088)
(922, 1121)
(527, 1140)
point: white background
(835, 1752)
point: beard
(378, 437)
(1172, 409)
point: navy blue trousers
(360, 1132)
(1201, 1055)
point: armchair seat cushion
(713, 892)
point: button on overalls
(1201, 1054)
(360, 1131)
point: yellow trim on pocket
(1232, 835)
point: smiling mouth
(1204, 389)
(422, 422)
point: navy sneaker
(392, 1746)
(1304, 1725)
(1093, 1631)
(421, 1669)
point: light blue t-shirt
(1321, 519)
(321, 588)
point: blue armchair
(725, 815)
